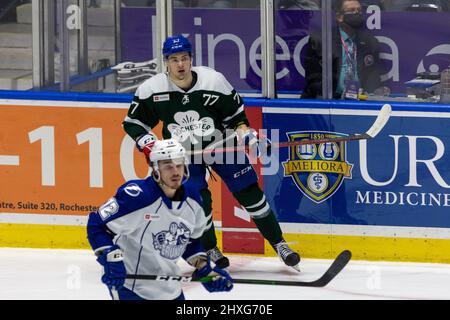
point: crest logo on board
(317, 170)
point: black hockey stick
(338, 264)
(377, 126)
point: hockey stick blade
(338, 264)
(380, 121)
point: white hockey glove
(256, 147)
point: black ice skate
(287, 255)
(218, 258)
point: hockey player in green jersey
(196, 106)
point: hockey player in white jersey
(196, 105)
(148, 225)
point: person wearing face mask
(355, 56)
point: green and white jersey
(193, 117)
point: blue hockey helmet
(176, 44)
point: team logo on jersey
(185, 100)
(317, 170)
(133, 190)
(110, 208)
(190, 125)
(172, 243)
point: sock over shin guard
(254, 201)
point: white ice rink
(32, 274)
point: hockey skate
(218, 258)
(287, 255)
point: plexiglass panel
(226, 36)
(295, 21)
(15, 45)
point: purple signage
(229, 41)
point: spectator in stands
(355, 56)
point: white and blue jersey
(153, 232)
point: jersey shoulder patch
(136, 194)
(133, 189)
(138, 189)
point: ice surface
(75, 274)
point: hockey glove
(145, 144)
(256, 147)
(112, 261)
(222, 280)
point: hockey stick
(338, 264)
(377, 126)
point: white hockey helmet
(169, 149)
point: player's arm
(140, 118)
(225, 101)
(236, 118)
(139, 122)
(100, 237)
(233, 111)
(115, 217)
(195, 253)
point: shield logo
(317, 170)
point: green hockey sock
(208, 239)
(254, 201)
(269, 228)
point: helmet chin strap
(157, 178)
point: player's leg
(209, 239)
(242, 181)
(254, 201)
